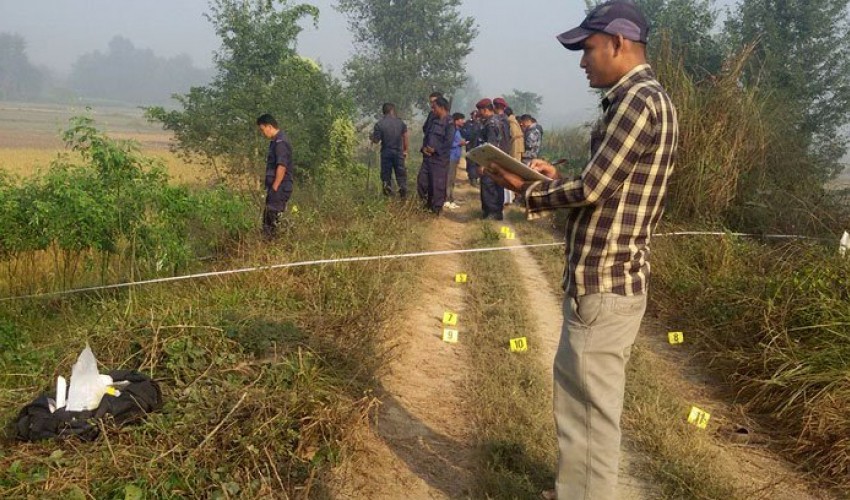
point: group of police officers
(445, 135)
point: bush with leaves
(116, 207)
(259, 71)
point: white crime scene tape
(343, 260)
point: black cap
(617, 17)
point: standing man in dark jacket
(492, 195)
(499, 107)
(428, 119)
(391, 132)
(278, 180)
(436, 149)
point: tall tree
(687, 27)
(802, 55)
(19, 79)
(259, 71)
(467, 95)
(406, 50)
(524, 102)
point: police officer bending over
(278, 180)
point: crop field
(30, 137)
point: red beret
(484, 103)
(499, 101)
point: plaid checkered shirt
(617, 201)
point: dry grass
(723, 136)
(772, 322)
(513, 418)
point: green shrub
(116, 208)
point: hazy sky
(515, 47)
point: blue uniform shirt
(280, 153)
(456, 146)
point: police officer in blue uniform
(436, 152)
(492, 195)
(391, 132)
(279, 173)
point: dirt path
(547, 317)
(420, 447)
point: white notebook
(486, 154)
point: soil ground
(418, 447)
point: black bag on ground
(140, 397)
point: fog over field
(515, 47)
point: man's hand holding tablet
(508, 172)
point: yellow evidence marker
(504, 230)
(449, 318)
(295, 209)
(461, 278)
(519, 344)
(510, 235)
(449, 336)
(698, 417)
(675, 337)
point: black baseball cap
(617, 17)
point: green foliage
(802, 55)
(774, 321)
(19, 78)
(343, 142)
(690, 28)
(740, 162)
(466, 96)
(258, 71)
(524, 102)
(128, 74)
(406, 50)
(117, 204)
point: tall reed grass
(773, 321)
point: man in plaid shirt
(614, 206)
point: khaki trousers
(589, 382)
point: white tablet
(486, 154)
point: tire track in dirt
(547, 318)
(419, 446)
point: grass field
(30, 137)
(271, 371)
